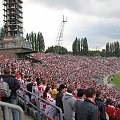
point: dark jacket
(101, 107)
(59, 102)
(13, 85)
(29, 88)
(87, 110)
(76, 105)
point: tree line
(80, 47)
(113, 49)
(36, 40)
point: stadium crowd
(56, 72)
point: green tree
(85, 46)
(53, 50)
(41, 42)
(76, 47)
(113, 49)
(28, 37)
(73, 48)
(103, 53)
(117, 49)
(50, 50)
(107, 50)
(36, 40)
(32, 40)
(94, 53)
(82, 46)
(79, 47)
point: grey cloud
(105, 8)
(112, 31)
(99, 34)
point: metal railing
(8, 106)
(37, 106)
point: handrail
(37, 107)
(8, 106)
(59, 109)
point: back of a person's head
(38, 83)
(109, 102)
(47, 89)
(13, 72)
(25, 76)
(29, 80)
(90, 92)
(70, 89)
(98, 93)
(80, 92)
(37, 79)
(44, 82)
(45, 92)
(7, 71)
(118, 106)
(48, 83)
(61, 87)
(55, 86)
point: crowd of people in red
(56, 69)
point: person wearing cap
(62, 89)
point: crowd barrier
(7, 106)
(35, 110)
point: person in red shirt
(110, 109)
(118, 112)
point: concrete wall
(11, 52)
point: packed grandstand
(52, 70)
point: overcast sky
(97, 20)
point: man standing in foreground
(87, 110)
(100, 105)
(62, 89)
(13, 86)
(81, 96)
(68, 104)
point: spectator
(59, 103)
(68, 104)
(46, 96)
(81, 96)
(66, 68)
(100, 105)
(110, 109)
(14, 86)
(54, 91)
(29, 88)
(88, 110)
(118, 112)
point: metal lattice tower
(59, 39)
(13, 18)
